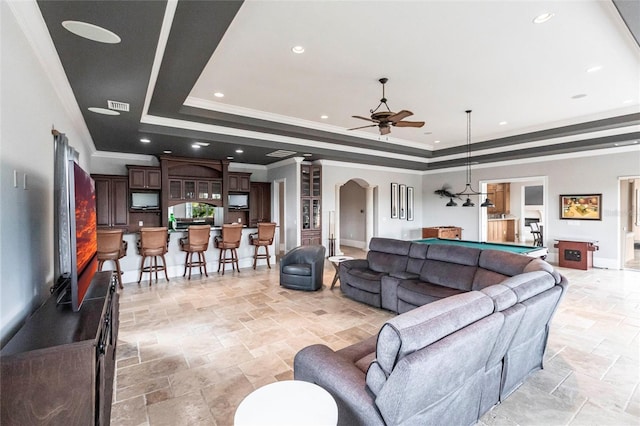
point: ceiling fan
(385, 119)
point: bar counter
(175, 257)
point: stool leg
(204, 263)
(255, 256)
(268, 262)
(141, 269)
(190, 257)
(100, 263)
(235, 258)
(117, 262)
(219, 259)
(164, 268)
(223, 253)
(186, 263)
(155, 267)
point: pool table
(532, 251)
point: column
(369, 215)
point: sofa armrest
(355, 263)
(319, 364)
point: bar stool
(111, 247)
(262, 238)
(153, 243)
(196, 241)
(229, 240)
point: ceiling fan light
(487, 203)
(468, 203)
(451, 203)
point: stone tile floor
(190, 351)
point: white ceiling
(441, 58)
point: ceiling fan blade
(399, 116)
(385, 130)
(363, 127)
(409, 124)
(364, 118)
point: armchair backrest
(109, 242)
(154, 238)
(231, 233)
(266, 231)
(199, 235)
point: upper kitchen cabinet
(143, 177)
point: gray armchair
(302, 268)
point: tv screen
(83, 235)
(145, 200)
(238, 201)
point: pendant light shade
(468, 189)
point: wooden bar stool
(262, 238)
(197, 242)
(111, 247)
(153, 244)
(229, 240)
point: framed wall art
(410, 203)
(402, 196)
(581, 207)
(394, 201)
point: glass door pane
(306, 214)
(316, 214)
(306, 181)
(315, 179)
(189, 190)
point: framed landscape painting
(581, 207)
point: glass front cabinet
(311, 204)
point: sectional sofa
(474, 325)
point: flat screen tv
(82, 237)
(238, 201)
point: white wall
(597, 173)
(337, 174)
(289, 172)
(30, 105)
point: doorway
(522, 201)
(630, 222)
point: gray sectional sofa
(479, 329)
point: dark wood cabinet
(259, 203)
(59, 368)
(142, 177)
(239, 182)
(311, 204)
(112, 201)
(196, 190)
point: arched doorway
(353, 222)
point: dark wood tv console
(59, 368)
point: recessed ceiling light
(502, 123)
(594, 68)
(200, 144)
(145, 140)
(297, 49)
(627, 101)
(239, 151)
(104, 111)
(307, 155)
(219, 95)
(579, 96)
(167, 151)
(436, 141)
(540, 19)
(91, 32)
(195, 145)
(324, 117)
(229, 157)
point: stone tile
(256, 368)
(138, 373)
(142, 388)
(593, 414)
(190, 409)
(131, 412)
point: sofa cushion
(417, 255)
(388, 255)
(454, 254)
(485, 278)
(448, 274)
(529, 284)
(418, 293)
(422, 326)
(541, 265)
(365, 279)
(303, 269)
(503, 262)
(503, 297)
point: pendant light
(468, 190)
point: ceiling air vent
(280, 153)
(118, 106)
